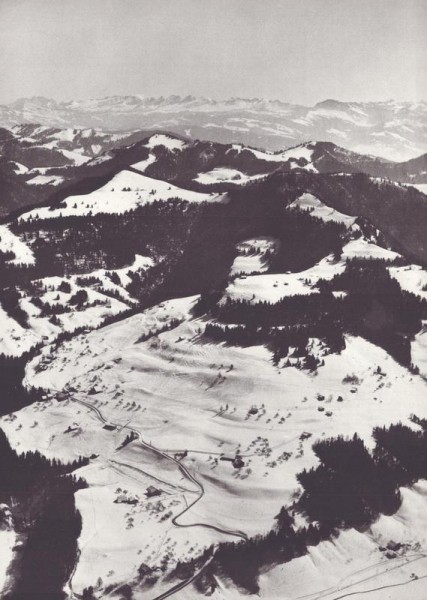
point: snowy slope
(225, 175)
(352, 565)
(411, 278)
(143, 164)
(169, 142)
(299, 156)
(9, 242)
(45, 180)
(125, 192)
(15, 339)
(252, 255)
(318, 209)
(154, 385)
(274, 287)
(422, 187)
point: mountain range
(38, 162)
(389, 129)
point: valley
(153, 388)
(213, 300)
(199, 324)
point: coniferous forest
(40, 493)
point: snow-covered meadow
(153, 385)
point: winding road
(182, 468)
(189, 476)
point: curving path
(183, 469)
(189, 476)
(179, 586)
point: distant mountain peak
(330, 103)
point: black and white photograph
(213, 299)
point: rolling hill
(39, 163)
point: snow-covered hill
(37, 160)
(125, 192)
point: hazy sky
(299, 51)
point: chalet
(151, 491)
(109, 427)
(124, 499)
(180, 455)
(236, 461)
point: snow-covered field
(422, 187)
(252, 255)
(14, 339)
(225, 175)
(143, 164)
(20, 168)
(125, 192)
(182, 393)
(274, 287)
(419, 350)
(411, 278)
(354, 565)
(362, 248)
(159, 139)
(168, 141)
(303, 151)
(317, 208)
(46, 180)
(9, 242)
